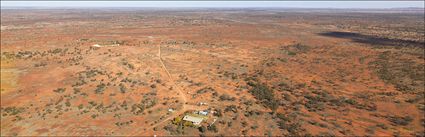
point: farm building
(203, 112)
(194, 120)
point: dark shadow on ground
(373, 40)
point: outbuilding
(194, 120)
(203, 112)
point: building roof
(203, 112)
(192, 119)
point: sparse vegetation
(59, 90)
(264, 94)
(258, 72)
(100, 88)
(226, 97)
(404, 74)
(403, 121)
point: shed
(194, 120)
(203, 112)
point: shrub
(94, 116)
(244, 123)
(13, 110)
(301, 48)
(370, 130)
(232, 108)
(215, 94)
(177, 120)
(213, 128)
(76, 90)
(202, 129)
(254, 127)
(153, 86)
(225, 97)
(59, 90)
(218, 113)
(294, 49)
(229, 124)
(188, 124)
(400, 120)
(123, 89)
(290, 53)
(314, 105)
(67, 103)
(100, 88)
(351, 101)
(381, 125)
(204, 90)
(169, 128)
(245, 132)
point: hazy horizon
(217, 4)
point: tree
(218, 113)
(188, 124)
(177, 120)
(213, 128)
(202, 129)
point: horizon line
(217, 4)
(50, 7)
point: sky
(288, 4)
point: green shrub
(202, 129)
(218, 113)
(100, 88)
(59, 90)
(13, 110)
(290, 53)
(226, 97)
(213, 128)
(123, 89)
(403, 121)
(232, 108)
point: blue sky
(298, 4)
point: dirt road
(179, 90)
(182, 97)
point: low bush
(59, 90)
(403, 121)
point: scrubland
(263, 72)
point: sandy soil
(266, 72)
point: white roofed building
(194, 120)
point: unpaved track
(180, 92)
(182, 96)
